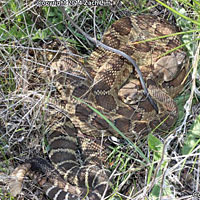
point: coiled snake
(108, 83)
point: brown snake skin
(108, 83)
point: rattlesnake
(108, 83)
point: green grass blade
(115, 128)
(176, 12)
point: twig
(162, 159)
(188, 104)
(121, 53)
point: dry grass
(25, 34)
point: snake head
(170, 65)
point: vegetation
(166, 166)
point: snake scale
(108, 83)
